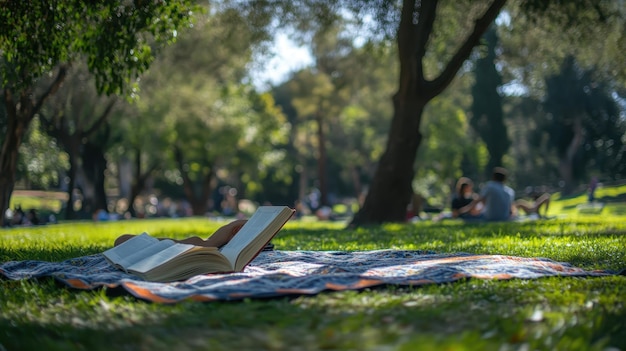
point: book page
(145, 252)
(118, 253)
(257, 231)
(160, 257)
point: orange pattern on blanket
(145, 293)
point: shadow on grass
(503, 307)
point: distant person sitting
(19, 217)
(534, 207)
(465, 204)
(32, 217)
(324, 213)
(497, 197)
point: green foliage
(536, 39)
(583, 122)
(361, 135)
(447, 142)
(193, 99)
(114, 36)
(41, 160)
(348, 93)
(547, 32)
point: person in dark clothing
(33, 218)
(464, 204)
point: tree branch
(98, 123)
(140, 183)
(440, 83)
(412, 40)
(424, 28)
(51, 129)
(54, 86)
(405, 29)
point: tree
(346, 94)
(360, 132)
(487, 115)
(42, 163)
(390, 192)
(533, 164)
(77, 118)
(416, 35)
(448, 142)
(142, 152)
(434, 43)
(44, 37)
(210, 126)
(314, 93)
(583, 124)
(535, 40)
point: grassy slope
(543, 314)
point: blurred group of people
(19, 217)
(495, 201)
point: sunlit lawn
(540, 314)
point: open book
(165, 260)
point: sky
(288, 58)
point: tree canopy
(40, 38)
(116, 37)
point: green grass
(612, 197)
(540, 314)
(41, 200)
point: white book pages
(118, 253)
(158, 258)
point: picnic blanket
(282, 273)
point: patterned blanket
(281, 273)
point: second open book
(165, 260)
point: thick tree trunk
(69, 210)
(94, 167)
(199, 200)
(139, 183)
(58, 127)
(390, 191)
(19, 115)
(8, 160)
(6, 189)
